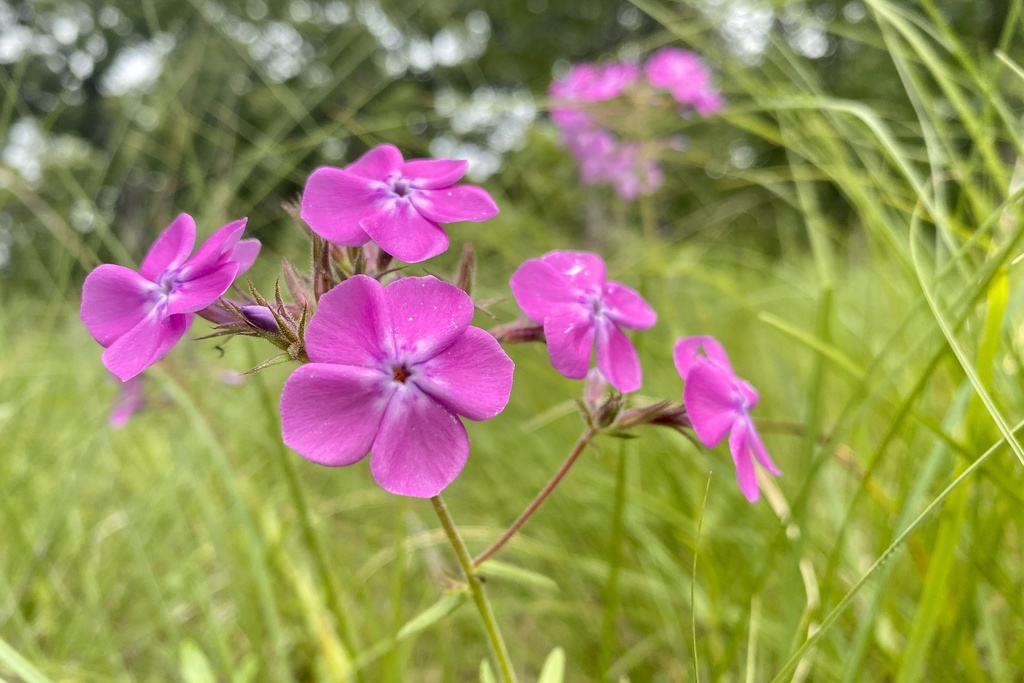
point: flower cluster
(620, 158)
(390, 363)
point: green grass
(883, 334)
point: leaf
(510, 572)
(433, 614)
(195, 667)
(487, 673)
(553, 670)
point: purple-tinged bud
(663, 413)
(261, 317)
(518, 332)
(594, 387)
(609, 410)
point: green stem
(476, 589)
(540, 498)
(314, 542)
(611, 589)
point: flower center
(401, 373)
(596, 305)
(400, 187)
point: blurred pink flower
(682, 74)
(391, 370)
(566, 292)
(585, 83)
(140, 316)
(398, 204)
(717, 402)
(129, 401)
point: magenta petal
(686, 352)
(378, 163)
(245, 254)
(351, 325)
(583, 270)
(570, 337)
(421, 446)
(195, 294)
(114, 300)
(626, 307)
(739, 446)
(426, 315)
(334, 201)
(143, 345)
(616, 358)
(128, 402)
(760, 452)
(401, 231)
(454, 204)
(711, 399)
(472, 377)
(171, 248)
(214, 251)
(540, 290)
(431, 174)
(330, 413)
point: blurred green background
(848, 227)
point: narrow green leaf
(553, 670)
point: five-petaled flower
(717, 402)
(566, 292)
(392, 369)
(398, 204)
(140, 316)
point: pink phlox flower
(129, 401)
(718, 402)
(140, 316)
(391, 370)
(685, 77)
(585, 84)
(604, 159)
(396, 203)
(566, 292)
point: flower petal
(584, 270)
(114, 300)
(334, 201)
(616, 357)
(431, 174)
(739, 446)
(570, 337)
(351, 325)
(215, 251)
(378, 163)
(144, 344)
(399, 229)
(686, 352)
(426, 315)
(420, 448)
(128, 402)
(540, 290)
(626, 307)
(170, 249)
(760, 452)
(472, 377)
(711, 399)
(195, 294)
(330, 413)
(454, 204)
(245, 254)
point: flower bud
(518, 332)
(594, 387)
(261, 317)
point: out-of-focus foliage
(115, 116)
